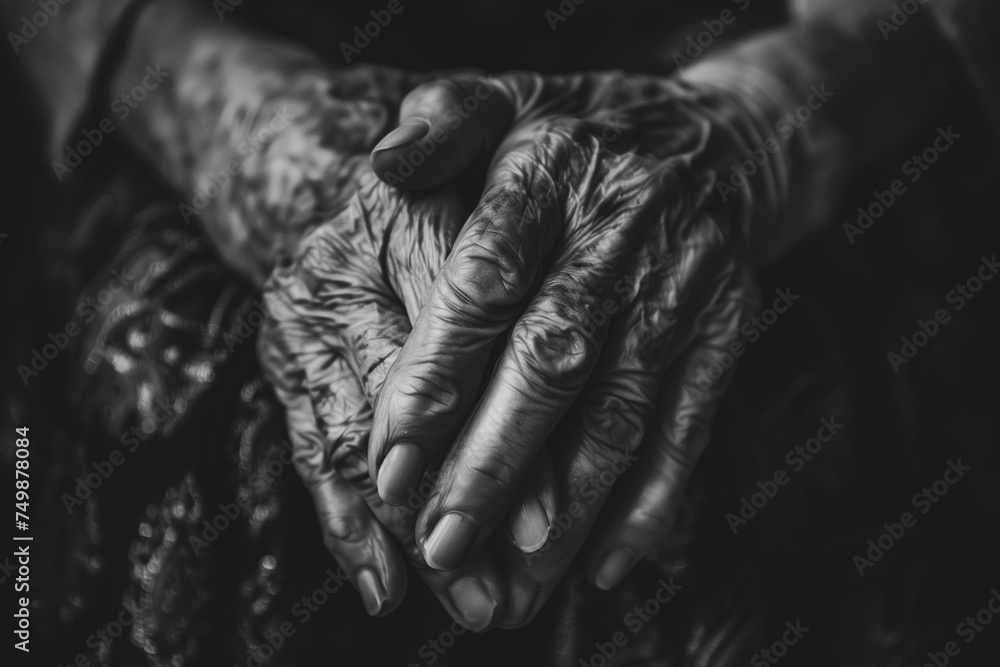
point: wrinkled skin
(598, 244)
(335, 325)
(568, 224)
(266, 146)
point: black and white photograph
(547, 333)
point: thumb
(443, 127)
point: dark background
(827, 356)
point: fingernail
(530, 526)
(451, 539)
(402, 470)
(473, 602)
(372, 593)
(613, 568)
(412, 130)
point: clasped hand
(455, 380)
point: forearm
(835, 96)
(259, 137)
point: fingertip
(450, 541)
(389, 157)
(410, 130)
(475, 603)
(448, 124)
(612, 568)
(401, 471)
(373, 593)
(524, 595)
(529, 527)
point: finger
(597, 446)
(551, 353)
(443, 127)
(432, 383)
(485, 285)
(357, 541)
(608, 422)
(641, 517)
(361, 532)
(476, 594)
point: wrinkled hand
(616, 283)
(338, 314)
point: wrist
(835, 98)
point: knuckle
(550, 358)
(615, 420)
(428, 391)
(490, 271)
(350, 448)
(684, 452)
(340, 529)
(600, 460)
